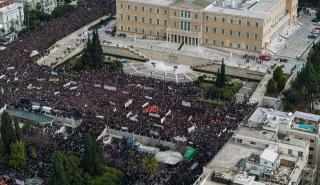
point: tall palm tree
(149, 164)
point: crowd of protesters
(100, 98)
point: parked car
(265, 57)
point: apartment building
(244, 25)
(267, 151)
(11, 16)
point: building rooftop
(238, 163)
(307, 116)
(246, 8)
(38, 119)
(156, 2)
(269, 155)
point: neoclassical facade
(245, 25)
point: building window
(196, 16)
(121, 27)
(196, 28)
(253, 143)
(150, 10)
(214, 42)
(240, 22)
(181, 25)
(247, 47)
(257, 24)
(207, 29)
(135, 18)
(239, 140)
(214, 30)
(150, 32)
(311, 141)
(311, 148)
(142, 19)
(150, 20)
(310, 157)
(255, 48)
(231, 21)
(136, 30)
(121, 6)
(121, 17)
(206, 41)
(158, 22)
(158, 11)
(230, 32)
(222, 43)
(135, 8)
(128, 28)
(222, 31)
(181, 13)
(128, 17)
(255, 36)
(222, 19)
(230, 44)
(158, 34)
(174, 24)
(215, 19)
(207, 17)
(165, 22)
(175, 13)
(248, 35)
(189, 26)
(142, 8)
(300, 154)
(128, 7)
(248, 23)
(239, 33)
(165, 11)
(142, 30)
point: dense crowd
(99, 97)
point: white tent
(47, 109)
(169, 157)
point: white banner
(145, 104)
(154, 115)
(162, 119)
(190, 118)
(129, 114)
(191, 129)
(148, 97)
(97, 85)
(110, 88)
(168, 113)
(186, 104)
(128, 103)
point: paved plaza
(296, 42)
(161, 70)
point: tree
(271, 86)
(277, 74)
(223, 75)
(7, 132)
(281, 83)
(18, 155)
(61, 10)
(109, 176)
(149, 164)
(92, 156)
(58, 176)
(17, 130)
(97, 51)
(217, 83)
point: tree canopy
(18, 155)
(8, 135)
(92, 156)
